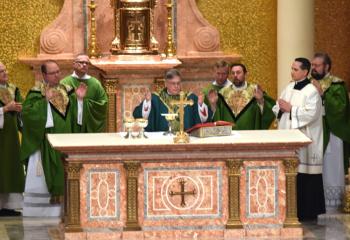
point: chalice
(142, 123)
(169, 117)
(128, 124)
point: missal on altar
(211, 129)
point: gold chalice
(142, 123)
(128, 124)
(169, 117)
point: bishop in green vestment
(159, 102)
(48, 108)
(243, 103)
(336, 128)
(11, 168)
(91, 95)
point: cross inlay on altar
(181, 136)
(182, 192)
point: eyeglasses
(83, 62)
(3, 71)
(52, 73)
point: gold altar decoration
(92, 45)
(182, 136)
(346, 201)
(72, 197)
(134, 32)
(346, 197)
(234, 174)
(291, 168)
(170, 48)
(132, 173)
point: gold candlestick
(182, 136)
(170, 48)
(93, 46)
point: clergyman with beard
(336, 128)
(243, 103)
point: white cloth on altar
(306, 115)
(333, 173)
(36, 196)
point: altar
(237, 186)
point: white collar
(3, 85)
(85, 77)
(226, 83)
(243, 87)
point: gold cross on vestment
(182, 192)
(181, 136)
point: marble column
(295, 36)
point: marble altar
(243, 185)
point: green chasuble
(214, 86)
(94, 105)
(160, 103)
(11, 168)
(34, 114)
(240, 107)
(337, 112)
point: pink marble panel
(165, 212)
(133, 95)
(234, 233)
(102, 195)
(264, 232)
(260, 201)
(262, 196)
(295, 233)
(132, 235)
(75, 236)
(103, 235)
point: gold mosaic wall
(249, 28)
(21, 23)
(332, 34)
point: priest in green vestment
(11, 168)
(336, 127)
(48, 108)
(93, 101)
(242, 103)
(221, 72)
(158, 103)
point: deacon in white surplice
(299, 107)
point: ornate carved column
(72, 197)
(234, 173)
(132, 223)
(111, 88)
(291, 167)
